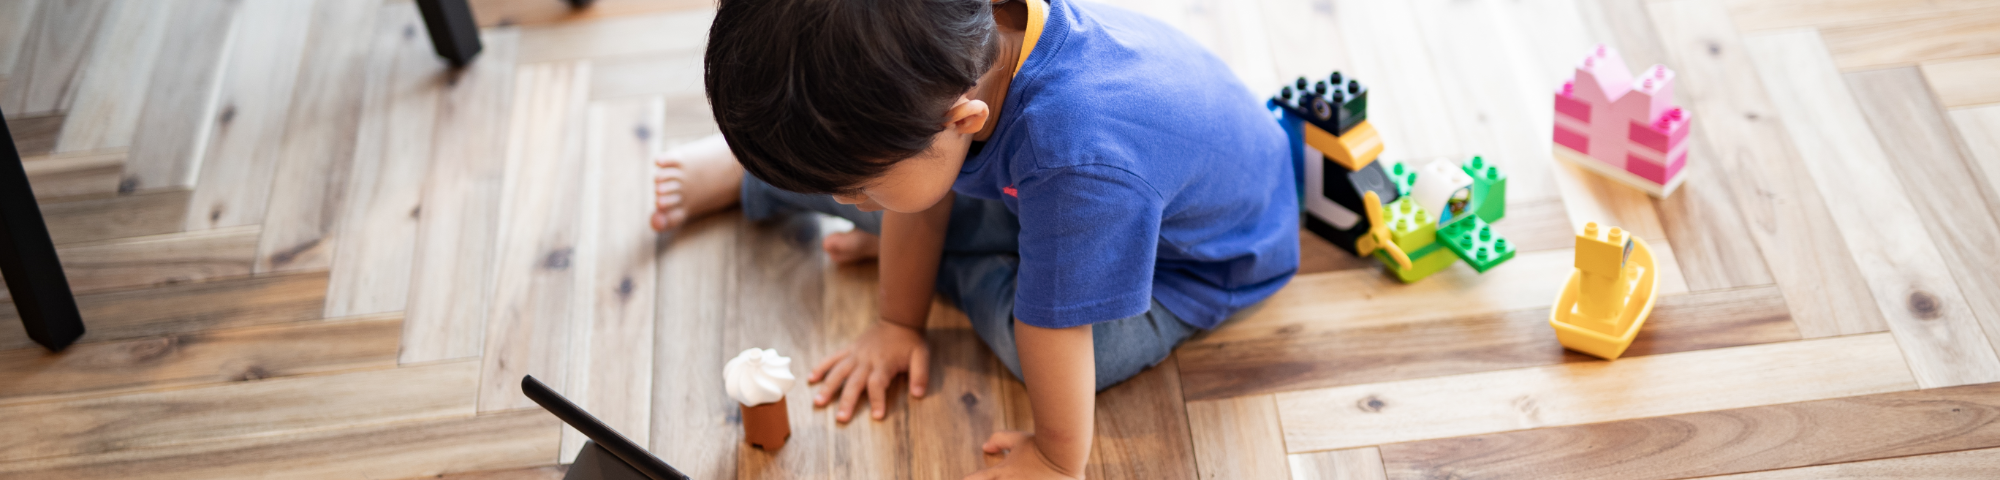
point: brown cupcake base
(766, 426)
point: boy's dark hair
(818, 96)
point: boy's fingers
(820, 370)
(878, 398)
(850, 394)
(920, 372)
(832, 383)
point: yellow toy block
(1354, 150)
(1609, 294)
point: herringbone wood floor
(305, 248)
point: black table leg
(28, 257)
(453, 32)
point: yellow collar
(1038, 14)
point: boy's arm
(1061, 372)
(912, 244)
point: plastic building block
(1623, 123)
(1423, 263)
(1443, 189)
(1405, 178)
(1379, 236)
(1345, 187)
(1295, 135)
(1352, 150)
(1474, 240)
(1411, 226)
(1608, 296)
(1489, 189)
(1335, 104)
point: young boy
(1089, 185)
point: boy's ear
(967, 116)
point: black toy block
(1335, 235)
(28, 257)
(1345, 187)
(1335, 104)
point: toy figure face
(917, 183)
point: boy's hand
(1023, 460)
(884, 351)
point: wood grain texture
(309, 185)
(1387, 52)
(187, 308)
(614, 322)
(1723, 441)
(168, 143)
(1979, 129)
(1955, 207)
(254, 98)
(209, 357)
(451, 282)
(1461, 37)
(249, 409)
(16, 16)
(1238, 438)
(1942, 466)
(1940, 35)
(528, 322)
(550, 472)
(86, 176)
(697, 426)
(1787, 217)
(1753, 15)
(1899, 259)
(114, 218)
(1351, 464)
(1590, 392)
(674, 74)
(113, 87)
(962, 405)
(489, 13)
(616, 37)
(1467, 344)
(1142, 429)
(377, 227)
(1964, 83)
(52, 55)
(35, 135)
(428, 449)
(1300, 47)
(157, 260)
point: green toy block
(1423, 263)
(1410, 226)
(1489, 190)
(1405, 178)
(1473, 240)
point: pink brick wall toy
(1622, 126)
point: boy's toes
(669, 211)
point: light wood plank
(1468, 344)
(1956, 208)
(1142, 429)
(1351, 464)
(616, 37)
(1388, 54)
(1300, 47)
(1787, 218)
(59, 39)
(35, 135)
(377, 228)
(1466, 42)
(528, 324)
(1903, 41)
(489, 13)
(15, 18)
(1792, 435)
(962, 406)
(113, 218)
(1579, 393)
(672, 74)
(1914, 289)
(425, 449)
(1979, 128)
(1238, 438)
(169, 142)
(255, 97)
(85, 176)
(451, 281)
(1775, 14)
(219, 356)
(551, 472)
(251, 409)
(1964, 83)
(696, 274)
(309, 186)
(615, 319)
(1943, 466)
(112, 90)
(186, 308)
(157, 260)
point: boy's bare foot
(851, 246)
(694, 180)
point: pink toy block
(1623, 123)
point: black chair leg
(28, 257)
(453, 32)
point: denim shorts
(978, 271)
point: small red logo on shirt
(1009, 190)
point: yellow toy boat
(1609, 294)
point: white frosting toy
(757, 376)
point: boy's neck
(1012, 20)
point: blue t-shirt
(1140, 168)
